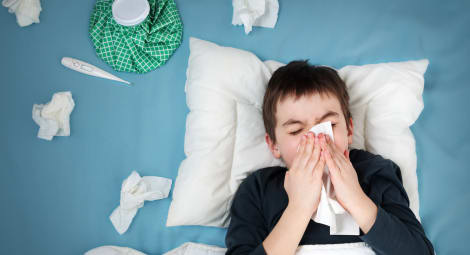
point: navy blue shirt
(261, 200)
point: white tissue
(27, 11)
(134, 191)
(113, 250)
(53, 118)
(250, 13)
(329, 211)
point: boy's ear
(350, 131)
(272, 147)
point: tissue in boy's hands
(329, 211)
(250, 13)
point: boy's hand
(343, 175)
(347, 188)
(303, 181)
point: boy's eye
(295, 132)
(333, 124)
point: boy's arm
(247, 228)
(396, 229)
(302, 183)
(390, 226)
(286, 235)
(247, 232)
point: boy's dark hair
(298, 78)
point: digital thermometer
(89, 69)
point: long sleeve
(396, 229)
(247, 229)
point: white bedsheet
(319, 249)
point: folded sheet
(360, 248)
(113, 250)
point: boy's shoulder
(363, 156)
(369, 166)
(359, 156)
(267, 173)
(265, 178)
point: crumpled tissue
(134, 191)
(250, 13)
(329, 211)
(53, 118)
(27, 11)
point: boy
(272, 209)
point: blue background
(56, 196)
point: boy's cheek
(290, 153)
(341, 144)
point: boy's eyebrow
(326, 115)
(291, 122)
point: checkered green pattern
(139, 48)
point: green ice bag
(140, 48)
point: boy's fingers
(319, 167)
(336, 159)
(307, 151)
(337, 156)
(310, 143)
(299, 154)
(331, 147)
(315, 157)
(316, 149)
(332, 167)
(337, 153)
(330, 156)
(302, 144)
(303, 141)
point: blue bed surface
(56, 196)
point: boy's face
(295, 118)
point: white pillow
(385, 100)
(224, 139)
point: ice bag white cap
(130, 12)
(329, 211)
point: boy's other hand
(347, 188)
(342, 173)
(303, 181)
